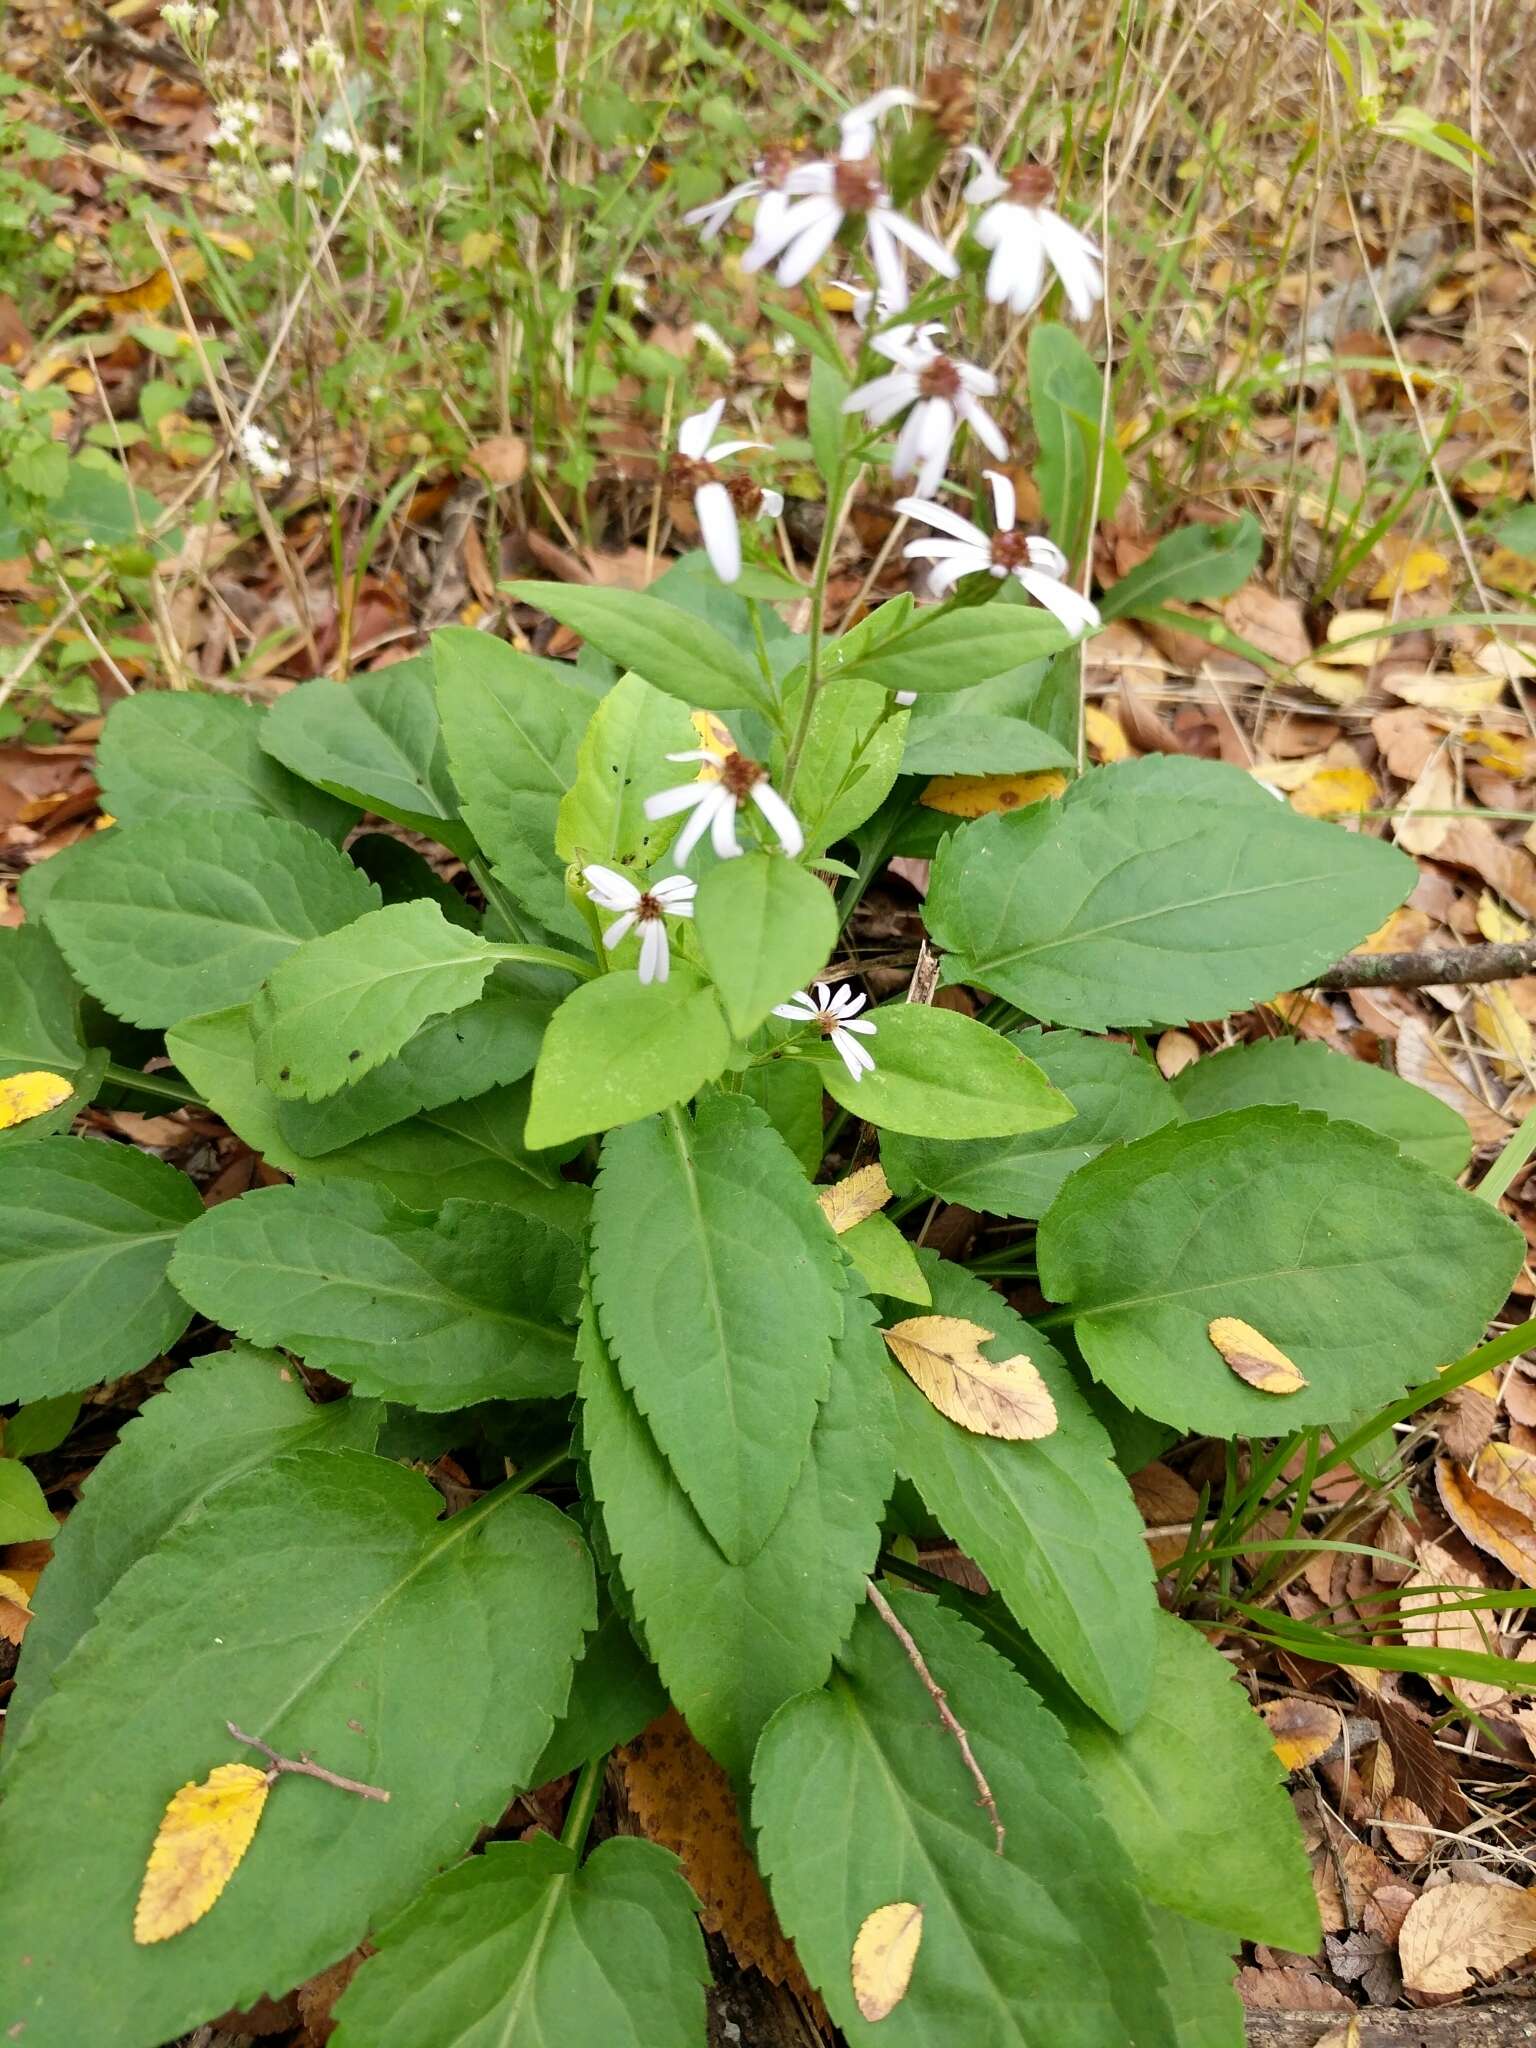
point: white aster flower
(941, 392)
(321, 54)
(836, 1013)
(825, 193)
(337, 142)
(649, 908)
(454, 16)
(727, 782)
(261, 452)
(1037, 563)
(1024, 236)
(866, 305)
(289, 62)
(766, 186)
(718, 499)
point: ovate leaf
(996, 727)
(339, 1008)
(884, 1951)
(614, 1694)
(86, 1232)
(954, 647)
(1365, 1268)
(374, 741)
(1045, 1946)
(336, 1648)
(765, 928)
(1080, 470)
(938, 1074)
(25, 1516)
(1152, 892)
(178, 750)
(1052, 1523)
(203, 1833)
(885, 1260)
(851, 757)
(190, 912)
(733, 1642)
(39, 1004)
(523, 1944)
(683, 655)
(1114, 1095)
(475, 1303)
(1196, 563)
(619, 1048)
(621, 761)
(721, 1309)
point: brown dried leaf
(1251, 1355)
(1463, 1934)
(1290, 1990)
(1483, 1518)
(1508, 1472)
(503, 459)
(855, 1198)
(883, 1954)
(942, 1357)
(1302, 1729)
(1429, 1623)
(1407, 1828)
(1421, 1061)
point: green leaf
(86, 1231)
(1197, 1796)
(39, 1005)
(375, 741)
(953, 647)
(718, 1286)
(164, 751)
(472, 1304)
(824, 415)
(1310, 1076)
(1198, 1969)
(1051, 1522)
(619, 1048)
(213, 1422)
(765, 926)
(401, 874)
(512, 724)
(24, 1512)
(938, 1074)
(885, 1260)
(337, 1648)
(1193, 564)
(733, 1642)
(526, 1944)
(850, 760)
(348, 1002)
(187, 913)
(1078, 471)
(1364, 1267)
(471, 1149)
(789, 1093)
(862, 1798)
(1114, 1095)
(37, 1427)
(621, 761)
(994, 728)
(1153, 892)
(614, 1694)
(685, 656)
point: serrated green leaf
(1195, 563)
(164, 751)
(1364, 1267)
(952, 648)
(39, 1005)
(861, 1798)
(1308, 1075)
(526, 1944)
(938, 1074)
(1198, 1969)
(374, 741)
(721, 1308)
(1080, 471)
(336, 1648)
(765, 926)
(475, 1303)
(619, 1048)
(342, 1005)
(614, 1694)
(734, 1642)
(1051, 1522)
(187, 913)
(885, 1260)
(39, 1426)
(1152, 892)
(789, 1094)
(993, 728)
(24, 1513)
(1114, 1096)
(685, 656)
(621, 761)
(512, 724)
(215, 1421)
(850, 760)
(86, 1231)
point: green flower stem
(578, 1815)
(548, 956)
(164, 1087)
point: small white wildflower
(649, 907)
(836, 1014)
(1024, 236)
(393, 154)
(714, 341)
(632, 290)
(766, 185)
(941, 391)
(311, 181)
(714, 499)
(238, 123)
(337, 142)
(825, 194)
(783, 345)
(478, 135)
(323, 55)
(289, 62)
(260, 450)
(179, 15)
(454, 16)
(206, 20)
(1037, 563)
(280, 173)
(728, 781)
(368, 153)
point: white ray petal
(666, 803)
(772, 505)
(1004, 499)
(712, 799)
(1075, 260)
(811, 244)
(920, 242)
(609, 889)
(982, 425)
(722, 829)
(719, 531)
(655, 954)
(618, 930)
(698, 430)
(883, 397)
(786, 826)
(1070, 606)
(769, 240)
(945, 520)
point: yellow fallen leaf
(478, 247)
(24, 1096)
(1400, 934)
(1499, 926)
(1508, 1472)
(1459, 694)
(1253, 1358)
(713, 733)
(15, 1609)
(1505, 657)
(1504, 1028)
(1461, 1934)
(1506, 570)
(1486, 1520)
(1415, 570)
(205, 1831)
(1338, 685)
(1105, 734)
(1347, 2036)
(942, 1358)
(1512, 754)
(1301, 1730)
(883, 1954)
(979, 796)
(1352, 641)
(855, 1198)
(1335, 793)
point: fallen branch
(303, 1768)
(935, 1692)
(1448, 966)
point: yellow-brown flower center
(648, 909)
(1010, 550)
(739, 775)
(856, 186)
(940, 380)
(1031, 184)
